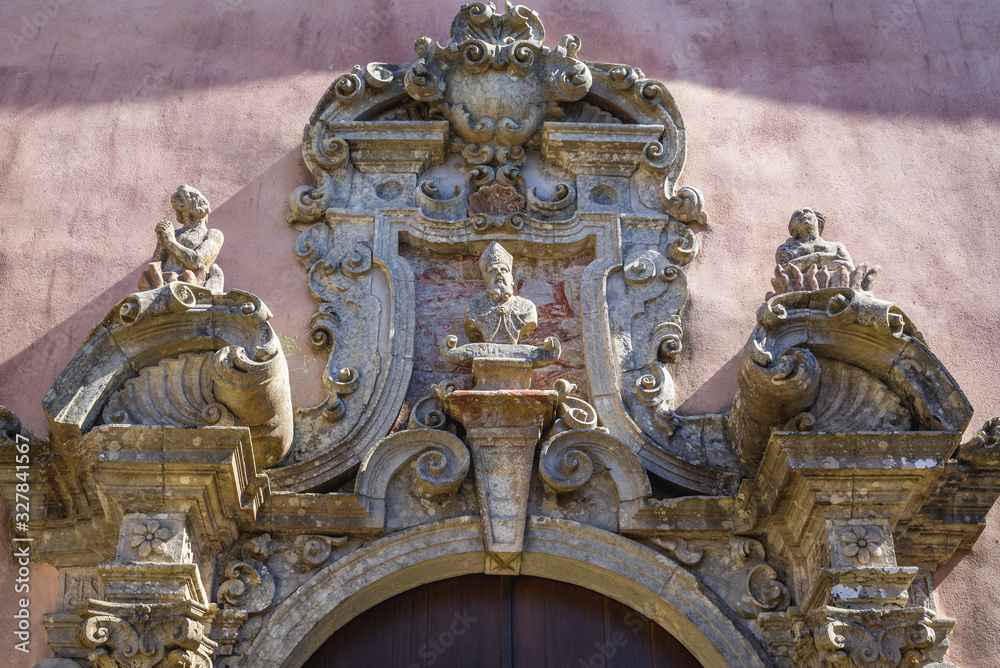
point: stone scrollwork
(502, 52)
(655, 292)
(147, 636)
(348, 316)
(246, 587)
(682, 550)
(573, 412)
(316, 550)
(982, 449)
(181, 356)
(686, 206)
(756, 587)
(440, 460)
(837, 453)
(454, 130)
(325, 155)
(875, 641)
(569, 460)
(817, 360)
(428, 413)
(777, 390)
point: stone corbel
(212, 480)
(216, 355)
(832, 501)
(859, 346)
(155, 610)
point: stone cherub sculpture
(495, 324)
(806, 261)
(187, 254)
(499, 316)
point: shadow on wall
(716, 394)
(912, 57)
(255, 213)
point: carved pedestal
(503, 429)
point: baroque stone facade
(197, 519)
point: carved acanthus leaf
(146, 636)
(875, 640)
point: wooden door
(489, 621)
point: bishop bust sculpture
(499, 316)
(495, 324)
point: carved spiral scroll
(441, 470)
(440, 459)
(247, 587)
(428, 413)
(569, 459)
(683, 551)
(756, 587)
(563, 466)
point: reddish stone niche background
(446, 283)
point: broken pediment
(496, 242)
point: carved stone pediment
(180, 356)
(497, 245)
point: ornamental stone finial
(807, 261)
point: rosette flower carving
(862, 543)
(150, 538)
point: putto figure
(806, 261)
(806, 247)
(499, 316)
(187, 254)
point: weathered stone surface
(797, 530)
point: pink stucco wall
(885, 116)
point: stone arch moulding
(619, 568)
(197, 518)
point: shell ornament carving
(176, 392)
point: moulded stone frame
(561, 550)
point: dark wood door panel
(481, 621)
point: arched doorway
(487, 621)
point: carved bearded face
(499, 282)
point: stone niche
(197, 518)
